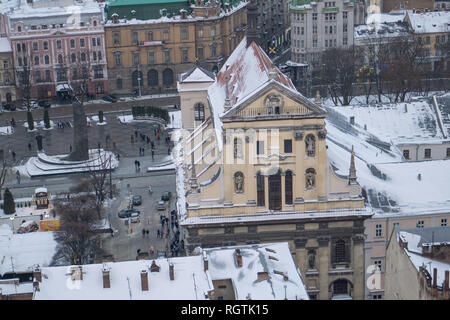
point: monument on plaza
(39, 142)
(80, 135)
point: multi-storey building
(273, 24)
(431, 30)
(316, 27)
(58, 42)
(254, 169)
(7, 83)
(145, 55)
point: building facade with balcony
(145, 53)
(58, 45)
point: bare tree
(100, 180)
(403, 68)
(81, 69)
(25, 80)
(339, 73)
(77, 238)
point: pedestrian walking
(158, 136)
(157, 234)
(132, 139)
(143, 151)
(147, 232)
(118, 157)
(18, 176)
(153, 144)
(135, 133)
(152, 250)
(29, 146)
(70, 148)
(143, 233)
(153, 154)
(13, 155)
(168, 151)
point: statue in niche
(310, 178)
(310, 146)
(239, 182)
(312, 259)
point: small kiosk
(41, 198)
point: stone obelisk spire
(80, 135)
(352, 171)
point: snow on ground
(40, 125)
(126, 119)
(95, 119)
(6, 130)
(20, 252)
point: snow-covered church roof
(197, 74)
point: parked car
(44, 104)
(166, 196)
(134, 217)
(137, 200)
(161, 205)
(9, 107)
(126, 213)
(110, 98)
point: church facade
(252, 168)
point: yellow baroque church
(252, 168)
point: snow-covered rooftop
(392, 186)
(20, 252)
(391, 122)
(191, 281)
(5, 46)
(378, 18)
(415, 238)
(197, 74)
(430, 22)
(381, 30)
(275, 259)
(48, 8)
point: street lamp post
(139, 79)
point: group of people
(63, 124)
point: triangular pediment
(273, 100)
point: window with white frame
(443, 222)
(420, 224)
(378, 230)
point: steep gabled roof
(198, 74)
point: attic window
(273, 258)
(270, 250)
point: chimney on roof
(205, 264)
(154, 267)
(434, 277)
(144, 280)
(77, 273)
(37, 274)
(171, 272)
(36, 285)
(106, 278)
(263, 276)
(252, 22)
(238, 258)
(446, 284)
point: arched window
(60, 59)
(47, 60)
(73, 58)
(36, 60)
(288, 187)
(260, 190)
(95, 23)
(119, 83)
(199, 112)
(83, 56)
(94, 56)
(167, 77)
(136, 78)
(99, 55)
(72, 43)
(310, 145)
(310, 177)
(152, 78)
(19, 61)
